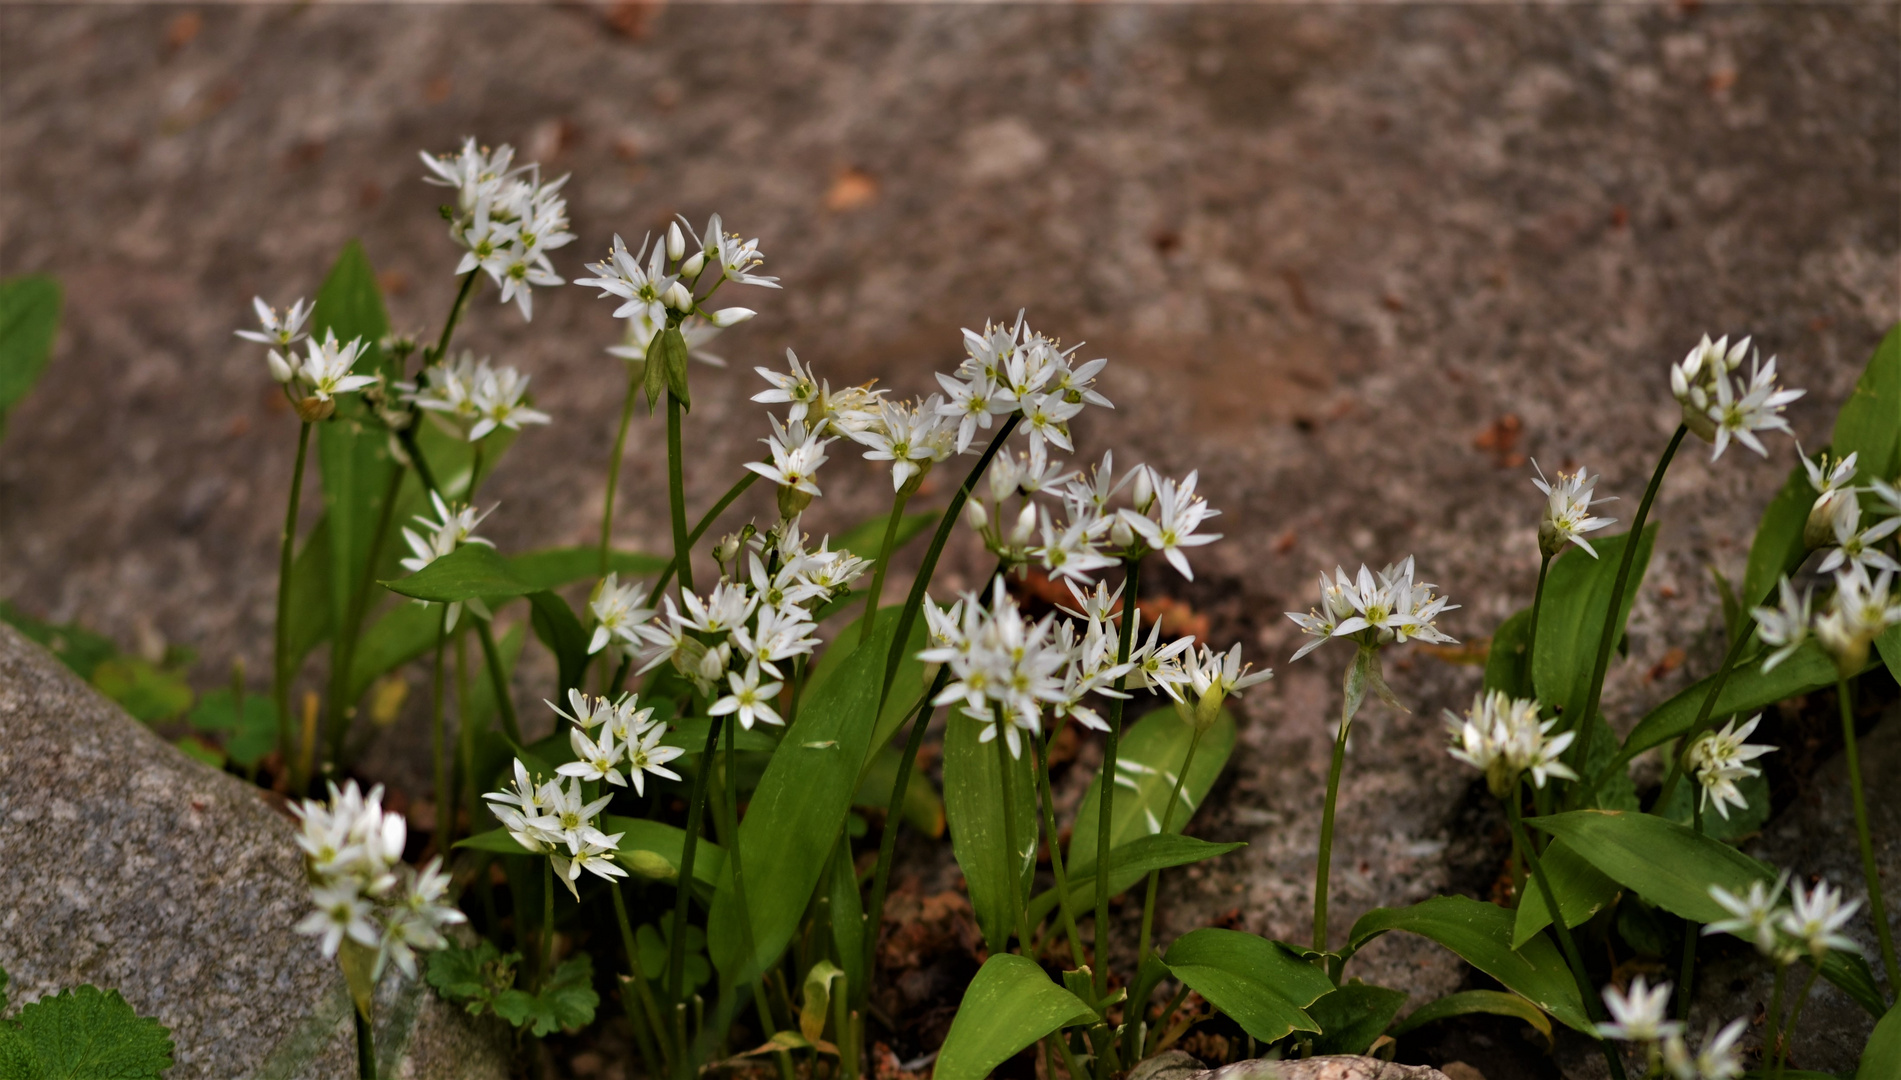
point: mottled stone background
(1356, 264)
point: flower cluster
(1812, 922)
(505, 218)
(1720, 405)
(1503, 737)
(730, 642)
(1374, 609)
(363, 890)
(1567, 515)
(453, 526)
(1860, 610)
(1641, 1015)
(312, 381)
(471, 398)
(1720, 758)
(659, 284)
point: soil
(1359, 265)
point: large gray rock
(132, 867)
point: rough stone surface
(131, 867)
(1354, 263)
(1175, 1065)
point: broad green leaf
(1739, 824)
(689, 734)
(75, 646)
(402, 634)
(973, 805)
(1870, 420)
(1468, 1002)
(249, 728)
(655, 849)
(1778, 544)
(1571, 621)
(909, 683)
(867, 537)
(1673, 867)
(473, 976)
(797, 811)
(309, 596)
(29, 319)
(495, 840)
(1481, 934)
(653, 942)
(1881, 1058)
(556, 627)
(1888, 645)
(1129, 864)
(922, 809)
(145, 690)
(1351, 1017)
(88, 1034)
(1748, 690)
(1259, 984)
(552, 568)
(1582, 890)
(566, 1002)
(1505, 660)
(1009, 1005)
(470, 572)
(1150, 757)
(17, 1060)
(848, 915)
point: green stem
(1014, 859)
(365, 1047)
(1537, 604)
(1056, 849)
(884, 561)
(337, 725)
(1584, 725)
(498, 680)
(1323, 869)
(1686, 972)
(1168, 819)
(646, 1023)
(613, 469)
(1877, 909)
(547, 921)
(445, 796)
(1112, 741)
(732, 494)
(455, 315)
(695, 821)
(1795, 1014)
(888, 840)
(1593, 1005)
(729, 808)
(676, 496)
(281, 673)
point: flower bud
(691, 267)
(1121, 535)
(678, 298)
(649, 864)
(676, 244)
(1819, 530)
(727, 549)
(1208, 706)
(1143, 492)
(731, 316)
(976, 516)
(713, 664)
(1026, 525)
(792, 502)
(281, 368)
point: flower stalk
(1877, 907)
(1112, 739)
(281, 669)
(884, 562)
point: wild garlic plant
(736, 700)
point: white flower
(646, 755)
(1179, 514)
(499, 402)
(1214, 676)
(326, 367)
(1786, 626)
(571, 816)
(506, 218)
(799, 388)
(1862, 609)
(279, 332)
(456, 527)
(750, 700)
(1640, 1016)
(1739, 411)
(728, 606)
(1855, 546)
(589, 712)
(1502, 737)
(471, 171)
(1071, 551)
(1720, 758)
(780, 633)
(911, 437)
(1719, 1058)
(1323, 622)
(341, 912)
(734, 256)
(1834, 484)
(1047, 417)
(1816, 919)
(1754, 914)
(1000, 664)
(644, 288)
(796, 456)
(618, 610)
(1567, 515)
(596, 856)
(593, 760)
(1161, 667)
(1389, 606)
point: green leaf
(1673, 867)
(75, 646)
(1151, 754)
(653, 941)
(29, 319)
(1582, 890)
(496, 840)
(551, 568)
(88, 1034)
(567, 1002)
(1482, 935)
(1466, 1003)
(922, 809)
(1571, 621)
(655, 849)
(481, 706)
(848, 915)
(470, 572)
(864, 539)
(474, 976)
(309, 593)
(1009, 1005)
(1881, 1058)
(797, 811)
(906, 686)
(817, 1001)
(689, 734)
(673, 349)
(249, 727)
(973, 806)
(1260, 984)
(1778, 544)
(405, 632)
(1351, 1017)
(1747, 690)
(1129, 864)
(1505, 661)
(656, 371)
(1739, 824)
(556, 627)
(17, 1060)
(1870, 420)
(148, 692)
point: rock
(134, 868)
(1175, 1065)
